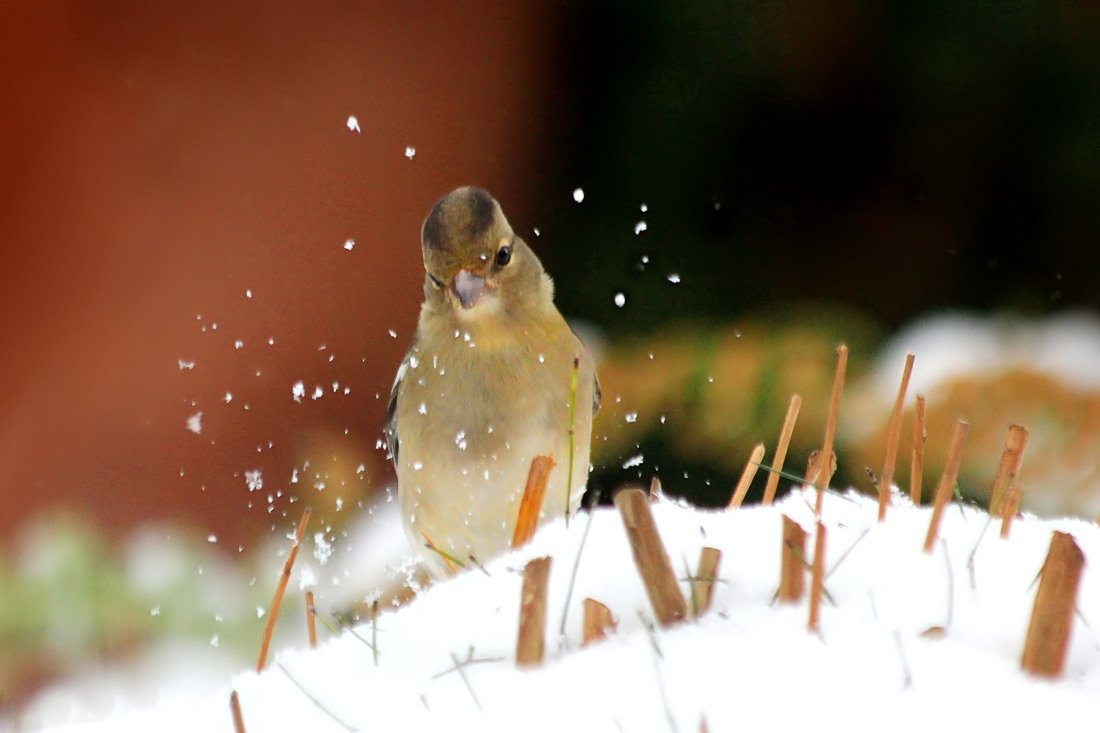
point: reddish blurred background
(178, 183)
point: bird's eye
(504, 255)
(436, 283)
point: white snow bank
(746, 665)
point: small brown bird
(485, 387)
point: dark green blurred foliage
(892, 157)
(897, 156)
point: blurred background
(210, 266)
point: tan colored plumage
(484, 388)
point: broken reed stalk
(654, 489)
(1009, 507)
(817, 579)
(893, 437)
(781, 449)
(650, 557)
(830, 426)
(530, 507)
(235, 709)
(597, 620)
(280, 590)
(1009, 467)
(814, 469)
(531, 640)
(374, 632)
(702, 584)
(1051, 622)
(916, 468)
(946, 488)
(747, 475)
(792, 562)
(311, 620)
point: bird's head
(472, 258)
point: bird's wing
(390, 428)
(597, 394)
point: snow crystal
(322, 548)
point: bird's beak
(468, 287)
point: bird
(489, 382)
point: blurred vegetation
(877, 160)
(893, 156)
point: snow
(951, 345)
(878, 661)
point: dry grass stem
(235, 709)
(531, 640)
(817, 579)
(280, 590)
(311, 620)
(577, 561)
(650, 557)
(597, 620)
(946, 487)
(893, 437)
(781, 449)
(792, 562)
(453, 563)
(819, 479)
(1009, 506)
(702, 584)
(572, 436)
(1009, 467)
(316, 703)
(530, 507)
(747, 475)
(916, 468)
(1051, 622)
(461, 668)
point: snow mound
(879, 660)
